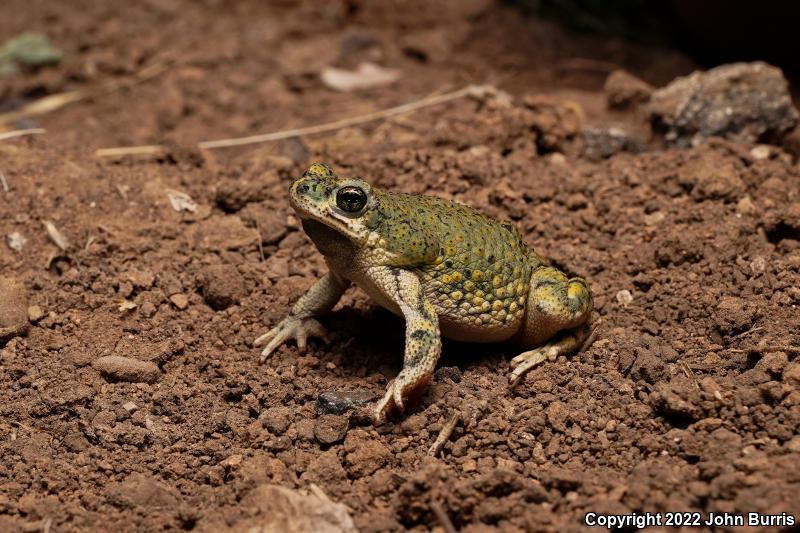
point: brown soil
(689, 399)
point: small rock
(745, 206)
(330, 429)
(35, 313)
(624, 90)
(181, 301)
(130, 407)
(13, 310)
(624, 297)
(743, 102)
(16, 241)
(222, 286)
(602, 143)
(762, 151)
(339, 402)
(453, 373)
(118, 368)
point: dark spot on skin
(468, 274)
(491, 258)
(539, 283)
(448, 264)
(416, 358)
(302, 189)
(420, 334)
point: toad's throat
(328, 241)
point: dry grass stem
(471, 90)
(442, 517)
(122, 151)
(57, 101)
(19, 133)
(3, 182)
(444, 435)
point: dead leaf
(180, 201)
(126, 305)
(55, 235)
(366, 76)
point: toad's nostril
(302, 189)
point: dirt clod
(13, 309)
(624, 90)
(119, 368)
(223, 286)
(330, 429)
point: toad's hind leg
(558, 309)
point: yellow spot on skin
(520, 288)
(477, 301)
(513, 307)
(469, 286)
(446, 278)
(477, 275)
(574, 290)
(456, 277)
(500, 293)
(486, 306)
(521, 301)
(450, 250)
(497, 305)
(479, 293)
(456, 295)
(497, 281)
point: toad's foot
(299, 329)
(567, 343)
(406, 384)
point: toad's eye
(351, 199)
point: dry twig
(442, 517)
(471, 90)
(444, 434)
(689, 373)
(20, 133)
(3, 182)
(768, 349)
(53, 102)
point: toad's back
(477, 270)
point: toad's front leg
(300, 323)
(423, 340)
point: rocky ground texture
(132, 286)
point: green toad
(446, 268)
